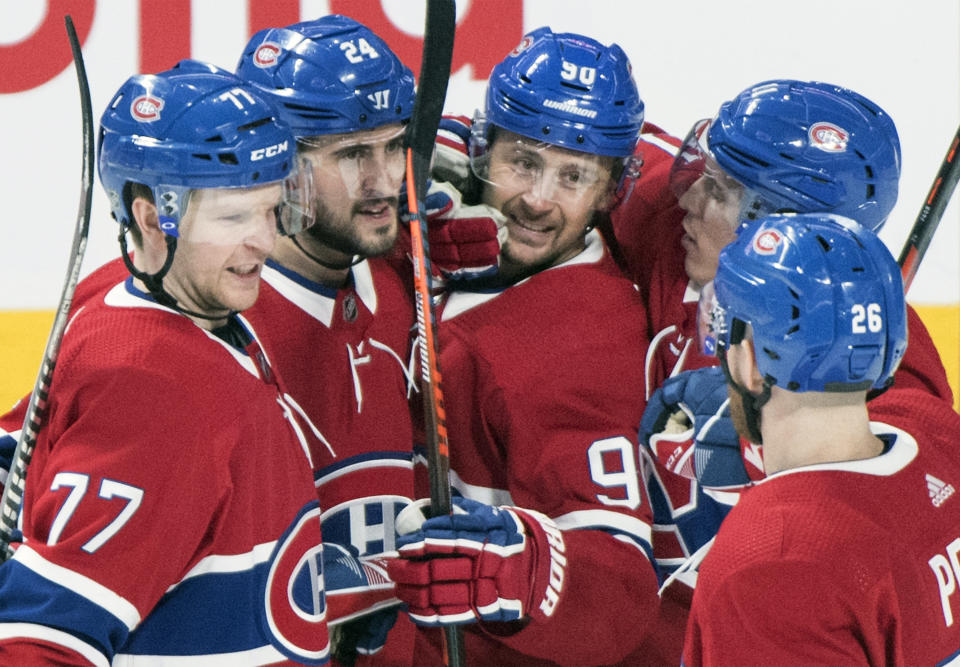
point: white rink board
(688, 57)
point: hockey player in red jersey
(847, 552)
(336, 310)
(542, 367)
(780, 145)
(169, 510)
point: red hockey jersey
(648, 228)
(169, 507)
(846, 563)
(542, 396)
(346, 356)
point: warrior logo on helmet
(266, 55)
(828, 137)
(767, 242)
(146, 108)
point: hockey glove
(688, 428)
(451, 161)
(464, 241)
(479, 563)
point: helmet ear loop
(153, 281)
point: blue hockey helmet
(566, 90)
(331, 75)
(192, 126)
(824, 298)
(809, 147)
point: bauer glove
(479, 563)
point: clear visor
(230, 216)
(292, 203)
(712, 325)
(698, 178)
(543, 171)
(362, 165)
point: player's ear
(751, 378)
(146, 219)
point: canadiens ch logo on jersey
(295, 608)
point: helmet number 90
(358, 51)
(585, 75)
(867, 318)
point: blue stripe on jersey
(30, 598)
(329, 292)
(214, 612)
(950, 660)
(366, 460)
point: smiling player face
(224, 238)
(549, 196)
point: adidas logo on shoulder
(939, 490)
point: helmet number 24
(866, 318)
(358, 51)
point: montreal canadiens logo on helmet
(266, 54)
(146, 108)
(828, 137)
(767, 241)
(524, 44)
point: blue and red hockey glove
(688, 428)
(481, 563)
(464, 241)
(451, 159)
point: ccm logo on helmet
(767, 241)
(146, 109)
(828, 137)
(269, 151)
(266, 55)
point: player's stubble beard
(342, 234)
(738, 415)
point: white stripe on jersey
(483, 494)
(660, 143)
(43, 633)
(97, 593)
(263, 655)
(233, 563)
(638, 530)
(361, 465)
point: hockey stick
(37, 407)
(930, 213)
(421, 135)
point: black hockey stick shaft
(37, 407)
(930, 213)
(421, 137)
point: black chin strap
(333, 267)
(154, 281)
